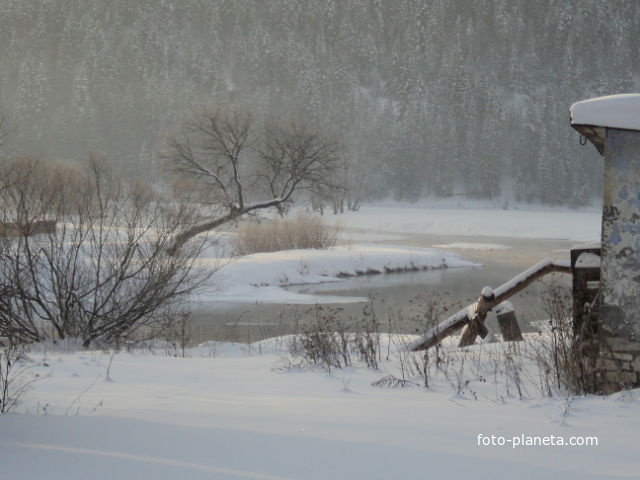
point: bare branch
(248, 172)
(104, 272)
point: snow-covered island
(261, 277)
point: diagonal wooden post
(477, 314)
(457, 321)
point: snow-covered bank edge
(263, 277)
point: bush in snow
(16, 375)
(329, 340)
(103, 274)
(302, 231)
(565, 352)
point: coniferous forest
(430, 97)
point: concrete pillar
(619, 365)
(612, 124)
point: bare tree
(103, 273)
(243, 171)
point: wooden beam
(460, 319)
(508, 323)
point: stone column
(619, 324)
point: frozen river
(401, 297)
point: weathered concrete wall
(619, 324)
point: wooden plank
(508, 322)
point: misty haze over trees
(433, 97)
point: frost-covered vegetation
(99, 271)
(301, 231)
(434, 97)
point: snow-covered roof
(614, 111)
(592, 117)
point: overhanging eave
(595, 135)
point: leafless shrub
(323, 340)
(288, 363)
(513, 368)
(103, 274)
(391, 381)
(16, 375)
(178, 333)
(329, 340)
(366, 338)
(303, 231)
(565, 362)
(423, 314)
(402, 354)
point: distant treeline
(432, 97)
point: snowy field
(231, 412)
(460, 219)
(475, 246)
(254, 412)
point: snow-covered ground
(231, 412)
(253, 412)
(452, 220)
(475, 246)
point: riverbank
(401, 237)
(256, 313)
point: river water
(400, 301)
